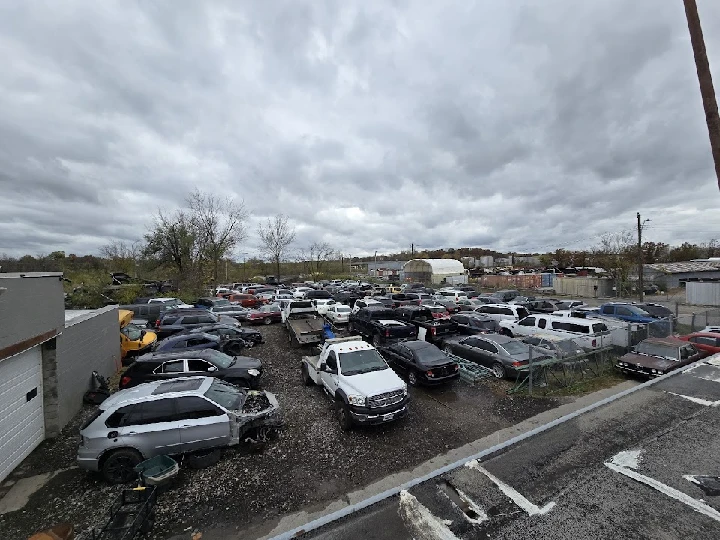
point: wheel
(203, 458)
(267, 320)
(119, 466)
(376, 341)
(447, 350)
(343, 414)
(412, 378)
(307, 380)
(498, 370)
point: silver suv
(179, 416)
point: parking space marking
(513, 494)
(420, 522)
(621, 464)
(471, 507)
(699, 401)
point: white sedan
(299, 292)
(338, 313)
(322, 305)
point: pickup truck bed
(306, 330)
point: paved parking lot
(311, 463)
(626, 470)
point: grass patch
(588, 385)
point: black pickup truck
(429, 329)
(381, 325)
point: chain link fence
(697, 321)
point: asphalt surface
(623, 470)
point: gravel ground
(312, 461)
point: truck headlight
(254, 372)
(405, 388)
(357, 400)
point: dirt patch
(311, 462)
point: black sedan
(240, 370)
(197, 341)
(421, 362)
(504, 356)
(475, 323)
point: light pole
(641, 280)
(375, 270)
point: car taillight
(516, 364)
(125, 381)
(433, 331)
(387, 333)
(429, 373)
(157, 323)
(456, 367)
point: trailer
(304, 325)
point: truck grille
(388, 398)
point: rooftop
(683, 267)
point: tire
(507, 332)
(447, 350)
(343, 414)
(498, 370)
(267, 320)
(412, 378)
(203, 458)
(307, 380)
(119, 466)
(376, 341)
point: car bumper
(378, 418)
(433, 381)
(632, 370)
(88, 460)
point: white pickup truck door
(330, 380)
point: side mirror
(212, 368)
(142, 334)
(323, 366)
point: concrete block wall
(88, 343)
(32, 310)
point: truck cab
(358, 380)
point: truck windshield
(356, 362)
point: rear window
(571, 327)
(94, 416)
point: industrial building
(385, 269)
(673, 275)
(435, 271)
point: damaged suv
(182, 416)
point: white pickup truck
(358, 380)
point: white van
(454, 295)
(503, 312)
(588, 333)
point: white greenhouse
(435, 271)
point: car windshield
(132, 332)
(220, 359)
(356, 362)
(658, 311)
(515, 347)
(226, 395)
(657, 349)
(430, 355)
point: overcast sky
(514, 125)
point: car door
(202, 424)
(624, 313)
(170, 369)
(705, 343)
(404, 360)
(526, 326)
(149, 427)
(486, 353)
(329, 377)
(198, 366)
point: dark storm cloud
(372, 125)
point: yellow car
(133, 339)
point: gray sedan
(502, 354)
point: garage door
(22, 425)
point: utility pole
(640, 260)
(702, 65)
(376, 268)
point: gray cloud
(372, 125)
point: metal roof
(683, 267)
(440, 266)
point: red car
(705, 341)
(245, 300)
(266, 315)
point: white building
(435, 271)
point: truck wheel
(343, 414)
(307, 380)
(412, 378)
(498, 370)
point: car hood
(245, 362)
(653, 362)
(374, 382)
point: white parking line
(678, 495)
(420, 522)
(513, 494)
(699, 401)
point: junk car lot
(311, 461)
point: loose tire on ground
(203, 458)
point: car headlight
(357, 400)
(405, 388)
(254, 372)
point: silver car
(179, 416)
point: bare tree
(219, 226)
(616, 253)
(707, 91)
(320, 252)
(276, 235)
(123, 255)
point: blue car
(201, 341)
(635, 314)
